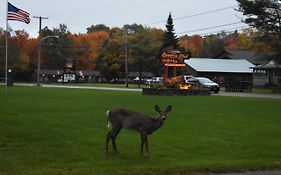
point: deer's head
(163, 114)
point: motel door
(270, 77)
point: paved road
(247, 94)
(232, 94)
(92, 87)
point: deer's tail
(108, 122)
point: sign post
(173, 59)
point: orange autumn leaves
(88, 47)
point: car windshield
(204, 80)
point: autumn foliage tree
(213, 45)
(23, 60)
(192, 43)
(111, 56)
(98, 28)
(103, 48)
(87, 48)
(144, 49)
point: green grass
(62, 131)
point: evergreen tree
(264, 15)
(170, 39)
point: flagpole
(6, 61)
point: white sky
(78, 15)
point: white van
(154, 80)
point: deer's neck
(156, 125)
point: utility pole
(39, 50)
(126, 55)
(40, 23)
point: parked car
(154, 80)
(186, 77)
(205, 83)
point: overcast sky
(78, 15)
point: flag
(10, 30)
(17, 14)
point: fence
(238, 86)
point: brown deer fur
(119, 118)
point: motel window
(260, 73)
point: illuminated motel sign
(174, 58)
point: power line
(194, 15)
(229, 30)
(117, 7)
(126, 5)
(207, 28)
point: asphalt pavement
(231, 94)
(248, 94)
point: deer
(119, 118)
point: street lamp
(39, 56)
(10, 81)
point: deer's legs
(108, 137)
(146, 145)
(115, 132)
(144, 141)
(111, 135)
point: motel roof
(220, 65)
(270, 65)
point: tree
(192, 43)
(246, 39)
(13, 52)
(98, 28)
(88, 46)
(111, 56)
(231, 40)
(170, 39)
(22, 62)
(265, 16)
(213, 45)
(55, 51)
(250, 39)
(144, 48)
(22, 65)
(30, 48)
(2, 51)
(133, 28)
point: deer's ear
(169, 108)
(157, 108)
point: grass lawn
(48, 131)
